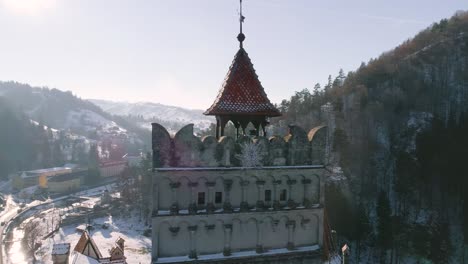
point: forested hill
(20, 139)
(401, 137)
(65, 111)
(42, 127)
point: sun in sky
(27, 7)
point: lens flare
(28, 7)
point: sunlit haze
(177, 52)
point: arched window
(283, 195)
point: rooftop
(61, 249)
(242, 93)
(85, 242)
(35, 173)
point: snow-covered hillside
(156, 111)
(67, 112)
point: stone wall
(261, 233)
(203, 211)
(176, 190)
(186, 150)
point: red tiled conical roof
(242, 93)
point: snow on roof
(61, 249)
(111, 163)
(34, 173)
(87, 240)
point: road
(9, 212)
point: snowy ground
(137, 246)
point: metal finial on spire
(241, 36)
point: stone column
(227, 239)
(210, 208)
(260, 248)
(306, 201)
(193, 241)
(276, 203)
(193, 197)
(291, 203)
(244, 206)
(155, 199)
(291, 225)
(155, 244)
(175, 205)
(260, 195)
(227, 197)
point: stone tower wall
(184, 149)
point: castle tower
(209, 207)
(242, 99)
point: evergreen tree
(329, 84)
(93, 157)
(57, 155)
(46, 151)
(363, 228)
(316, 90)
(339, 80)
(93, 166)
(384, 221)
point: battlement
(185, 149)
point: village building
(67, 182)
(60, 253)
(133, 160)
(87, 251)
(39, 177)
(242, 199)
(112, 168)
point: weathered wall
(187, 150)
(176, 191)
(255, 231)
(244, 220)
(205, 202)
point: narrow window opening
(218, 197)
(267, 195)
(283, 195)
(201, 198)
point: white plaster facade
(199, 211)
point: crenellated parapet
(184, 149)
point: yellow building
(66, 183)
(37, 177)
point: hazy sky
(177, 52)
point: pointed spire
(241, 36)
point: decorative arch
(209, 148)
(161, 144)
(298, 147)
(172, 240)
(187, 147)
(225, 152)
(318, 141)
(164, 194)
(314, 189)
(184, 193)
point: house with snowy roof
(86, 251)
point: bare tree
(33, 232)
